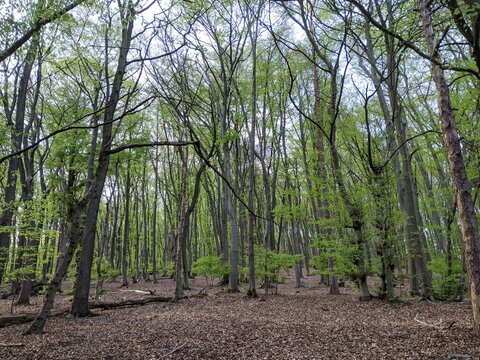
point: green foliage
(446, 286)
(210, 266)
(109, 273)
(344, 254)
(72, 269)
(131, 273)
(42, 289)
(19, 274)
(69, 292)
(230, 135)
(169, 269)
(269, 263)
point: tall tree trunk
(126, 231)
(253, 33)
(393, 113)
(466, 210)
(136, 210)
(154, 222)
(145, 227)
(75, 216)
(17, 129)
(323, 205)
(101, 250)
(82, 285)
(27, 173)
(179, 238)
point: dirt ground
(305, 323)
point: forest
(285, 163)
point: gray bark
(126, 230)
(82, 285)
(13, 163)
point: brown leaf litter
(305, 323)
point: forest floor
(305, 323)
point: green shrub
(446, 286)
(269, 263)
(169, 269)
(109, 273)
(344, 255)
(210, 266)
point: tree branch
(409, 44)
(36, 27)
(151, 144)
(71, 126)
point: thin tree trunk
(27, 174)
(154, 226)
(179, 239)
(136, 210)
(75, 218)
(394, 120)
(101, 250)
(126, 231)
(14, 162)
(145, 227)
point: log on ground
(15, 319)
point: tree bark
(393, 113)
(179, 238)
(75, 218)
(17, 129)
(82, 285)
(126, 231)
(466, 210)
(27, 173)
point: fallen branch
(199, 295)
(137, 291)
(11, 345)
(133, 302)
(201, 291)
(14, 319)
(178, 348)
(436, 325)
(148, 292)
(459, 357)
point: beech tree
(466, 209)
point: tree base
(252, 294)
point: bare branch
(151, 144)
(409, 44)
(437, 325)
(71, 126)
